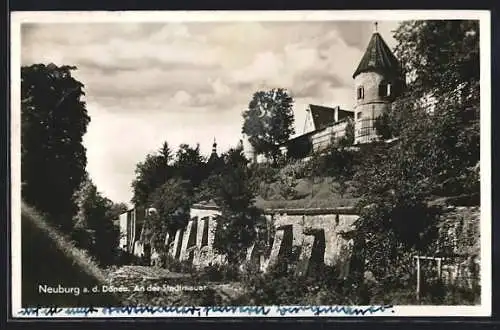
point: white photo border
(19, 18)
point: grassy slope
(49, 258)
(323, 193)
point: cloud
(189, 82)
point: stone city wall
(310, 239)
(315, 233)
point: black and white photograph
(197, 164)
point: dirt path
(147, 273)
(154, 286)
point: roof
(213, 157)
(287, 210)
(322, 116)
(205, 205)
(378, 57)
(303, 136)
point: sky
(147, 83)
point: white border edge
(17, 18)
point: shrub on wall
(172, 201)
(288, 182)
(277, 288)
(263, 172)
(459, 232)
(239, 219)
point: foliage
(394, 216)
(94, 229)
(339, 161)
(115, 210)
(154, 171)
(53, 122)
(237, 225)
(459, 232)
(277, 288)
(306, 203)
(189, 164)
(51, 258)
(220, 273)
(263, 172)
(326, 288)
(288, 183)
(348, 139)
(448, 56)
(208, 188)
(177, 266)
(207, 297)
(172, 201)
(268, 121)
(170, 184)
(442, 99)
(436, 150)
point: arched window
(361, 93)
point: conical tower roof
(378, 57)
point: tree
(154, 171)
(208, 188)
(446, 73)
(172, 200)
(448, 57)
(339, 161)
(190, 164)
(115, 210)
(53, 122)
(268, 121)
(437, 144)
(94, 229)
(348, 139)
(239, 221)
(165, 153)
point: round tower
(248, 149)
(377, 81)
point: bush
(207, 297)
(177, 266)
(264, 172)
(436, 294)
(220, 273)
(126, 258)
(276, 288)
(287, 184)
(299, 168)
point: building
(329, 124)
(130, 228)
(378, 80)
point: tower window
(384, 89)
(359, 115)
(361, 93)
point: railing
(460, 271)
(365, 130)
